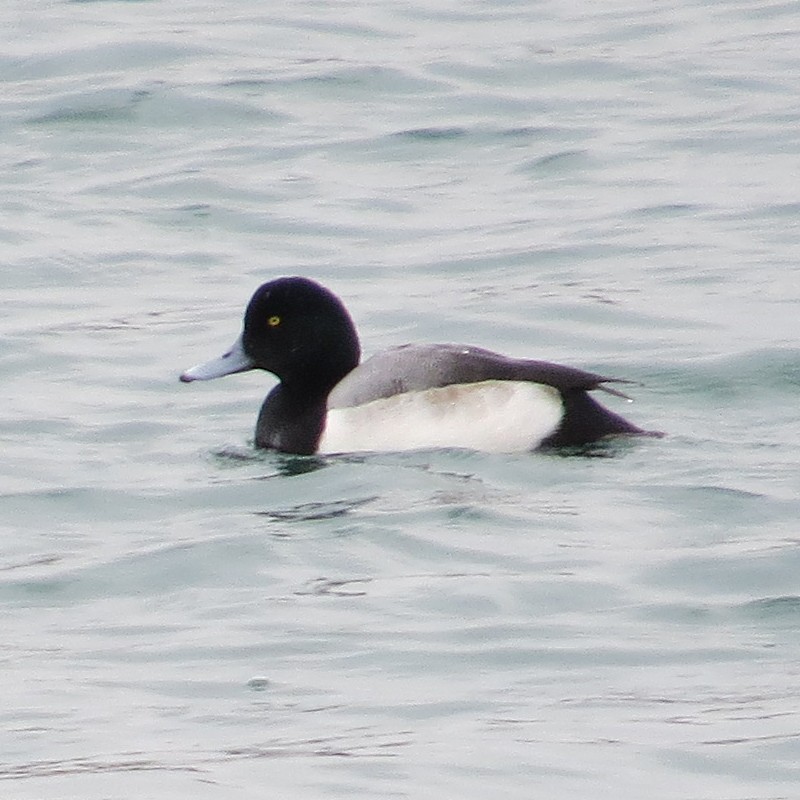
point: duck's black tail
(586, 421)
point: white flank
(493, 416)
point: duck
(408, 397)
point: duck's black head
(301, 332)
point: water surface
(612, 187)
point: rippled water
(612, 186)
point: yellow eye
(273, 322)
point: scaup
(404, 398)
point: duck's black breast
(290, 423)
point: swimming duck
(415, 396)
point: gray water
(608, 185)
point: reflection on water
(330, 509)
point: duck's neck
(291, 421)
(292, 417)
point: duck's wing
(414, 368)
